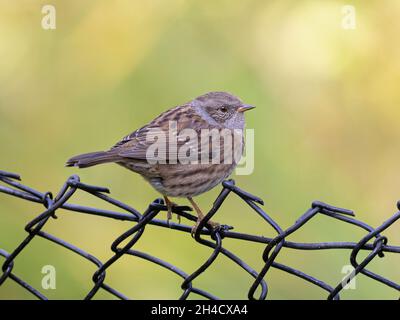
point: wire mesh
(373, 241)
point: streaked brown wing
(136, 144)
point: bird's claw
(214, 225)
(169, 212)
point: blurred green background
(326, 127)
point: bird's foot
(170, 205)
(213, 224)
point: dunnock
(164, 170)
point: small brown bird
(168, 170)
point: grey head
(221, 109)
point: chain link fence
(373, 242)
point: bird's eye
(223, 109)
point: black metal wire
(204, 235)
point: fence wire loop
(205, 235)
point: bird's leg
(169, 205)
(169, 208)
(200, 217)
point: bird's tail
(92, 159)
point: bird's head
(221, 107)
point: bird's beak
(245, 107)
